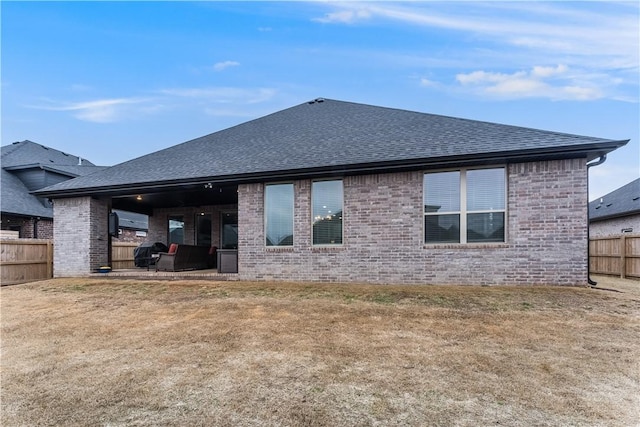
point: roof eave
(42, 167)
(615, 216)
(587, 151)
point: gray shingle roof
(337, 136)
(16, 199)
(14, 195)
(621, 202)
(132, 220)
(28, 152)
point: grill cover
(142, 254)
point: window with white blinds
(326, 201)
(465, 206)
(278, 214)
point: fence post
(49, 259)
(623, 256)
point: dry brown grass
(115, 353)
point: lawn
(117, 352)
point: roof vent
(317, 100)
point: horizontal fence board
(25, 260)
(617, 255)
(29, 260)
(122, 255)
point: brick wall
(79, 236)
(26, 226)
(159, 222)
(383, 234)
(614, 226)
(128, 235)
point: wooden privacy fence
(122, 255)
(615, 255)
(25, 260)
(28, 260)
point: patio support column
(80, 235)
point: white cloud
(556, 83)
(542, 72)
(224, 65)
(116, 109)
(601, 37)
(98, 111)
(427, 83)
(345, 16)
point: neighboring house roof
(132, 220)
(16, 200)
(15, 197)
(624, 201)
(26, 155)
(28, 152)
(328, 136)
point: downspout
(600, 161)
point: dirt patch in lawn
(117, 352)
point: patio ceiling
(176, 198)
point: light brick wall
(80, 236)
(383, 234)
(615, 226)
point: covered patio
(186, 214)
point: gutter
(600, 161)
(465, 160)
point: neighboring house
(338, 191)
(616, 213)
(133, 226)
(25, 167)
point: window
(327, 212)
(176, 229)
(464, 206)
(203, 229)
(229, 232)
(278, 214)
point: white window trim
(327, 245)
(463, 206)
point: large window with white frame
(326, 205)
(278, 214)
(465, 206)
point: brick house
(28, 166)
(338, 191)
(617, 212)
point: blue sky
(111, 81)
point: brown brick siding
(383, 233)
(158, 222)
(383, 239)
(28, 226)
(129, 236)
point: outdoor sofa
(186, 257)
